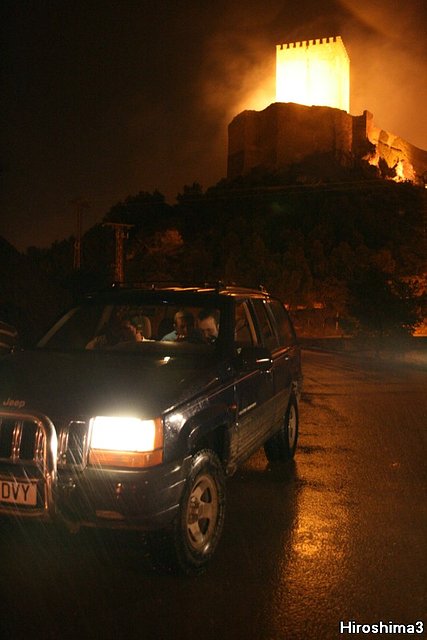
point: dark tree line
(352, 249)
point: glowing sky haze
(101, 100)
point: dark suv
(134, 407)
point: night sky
(102, 99)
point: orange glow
(314, 72)
(131, 459)
(400, 175)
(373, 159)
(403, 169)
(257, 98)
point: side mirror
(8, 338)
(250, 358)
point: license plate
(20, 493)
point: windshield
(117, 326)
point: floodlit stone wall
(286, 133)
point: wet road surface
(340, 535)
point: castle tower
(314, 72)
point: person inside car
(118, 330)
(183, 326)
(208, 324)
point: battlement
(331, 40)
(314, 72)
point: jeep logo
(16, 404)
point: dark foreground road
(339, 536)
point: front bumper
(145, 499)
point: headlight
(125, 441)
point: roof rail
(169, 284)
(178, 285)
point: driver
(118, 330)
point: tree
(190, 194)
(145, 210)
(383, 305)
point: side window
(283, 324)
(268, 335)
(244, 332)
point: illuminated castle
(314, 72)
(310, 122)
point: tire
(283, 444)
(198, 526)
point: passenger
(8, 337)
(208, 324)
(118, 330)
(130, 332)
(183, 326)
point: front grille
(6, 434)
(28, 464)
(22, 440)
(72, 444)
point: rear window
(282, 323)
(268, 335)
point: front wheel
(199, 522)
(283, 444)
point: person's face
(209, 328)
(131, 333)
(181, 325)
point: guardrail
(410, 351)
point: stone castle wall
(286, 133)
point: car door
(288, 343)
(253, 387)
(277, 335)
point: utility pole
(121, 233)
(80, 205)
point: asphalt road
(340, 535)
